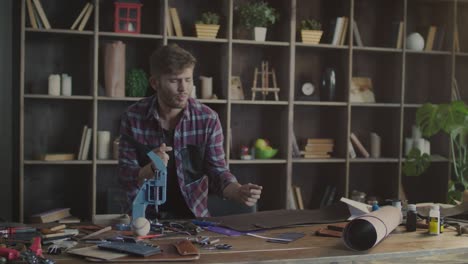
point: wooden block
(57, 156)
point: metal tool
(153, 191)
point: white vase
(260, 33)
(415, 41)
(206, 87)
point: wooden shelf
(402, 81)
(258, 161)
(60, 31)
(66, 162)
(61, 97)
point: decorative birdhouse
(127, 16)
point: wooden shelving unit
(403, 80)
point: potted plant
(257, 15)
(207, 26)
(311, 31)
(136, 83)
(451, 119)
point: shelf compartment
(246, 58)
(440, 143)
(375, 179)
(137, 56)
(378, 22)
(385, 122)
(311, 65)
(44, 131)
(271, 177)
(110, 196)
(58, 187)
(431, 186)
(46, 54)
(384, 70)
(212, 62)
(190, 11)
(279, 32)
(314, 179)
(55, 11)
(321, 122)
(423, 14)
(461, 78)
(268, 122)
(109, 116)
(152, 17)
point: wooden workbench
(399, 247)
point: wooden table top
(399, 247)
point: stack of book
(318, 148)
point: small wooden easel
(265, 89)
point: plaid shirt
(199, 126)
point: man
(185, 134)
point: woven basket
(311, 36)
(206, 31)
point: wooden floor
(399, 247)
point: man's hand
(147, 172)
(247, 194)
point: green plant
(136, 83)
(451, 119)
(209, 18)
(257, 14)
(310, 24)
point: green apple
(261, 143)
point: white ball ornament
(141, 226)
(415, 41)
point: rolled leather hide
(368, 230)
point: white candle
(408, 145)
(103, 141)
(206, 87)
(375, 145)
(416, 132)
(54, 84)
(66, 85)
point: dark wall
(7, 101)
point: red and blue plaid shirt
(199, 126)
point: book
(317, 156)
(176, 22)
(169, 24)
(319, 147)
(85, 19)
(337, 33)
(298, 195)
(83, 138)
(351, 151)
(399, 37)
(326, 193)
(430, 38)
(359, 146)
(357, 36)
(69, 220)
(58, 156)
(41, 14)
(84, 155)
(295, 147)
(439, 38)
(344, 31)
(80, 16)
(50, 216)
(291, 200)
(31, 14)
(319, 141)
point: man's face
(174, 89)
